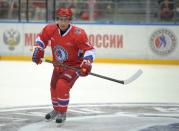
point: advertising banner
(110, 41)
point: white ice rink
(26, 84)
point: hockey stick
(127, 81)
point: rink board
(153, 44)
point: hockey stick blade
(133, 77)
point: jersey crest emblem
(77, 31)
(60, 53)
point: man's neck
(64, 31)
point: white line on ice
(88, 111)
(23, 108)
(12, 118)
(3, 124)
(30, 113)
(83, 111)
(89, 105)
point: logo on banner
(11, 38)
(163, 42)
(60, 53)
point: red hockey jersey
(69, 48)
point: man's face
(63, 22)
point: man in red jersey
(69, 46)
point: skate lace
(53, 113)
(61, 116)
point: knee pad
(70, 76)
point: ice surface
(115, 122)
(25, 83)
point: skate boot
(61, 117)
(51, 115)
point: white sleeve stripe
(41, 42)
(90, 53)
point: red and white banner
(111, 41)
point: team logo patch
(77, 31)
(163, 42)
(11, 38)
(60, 53)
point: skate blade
(49, 120)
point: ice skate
(51, 115)
(61, 117)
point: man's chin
(63, 28)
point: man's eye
(61, 19)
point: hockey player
(70, 46)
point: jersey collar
(66, 31)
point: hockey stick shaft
(93, 74)
(132, 78)
(107, 78)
